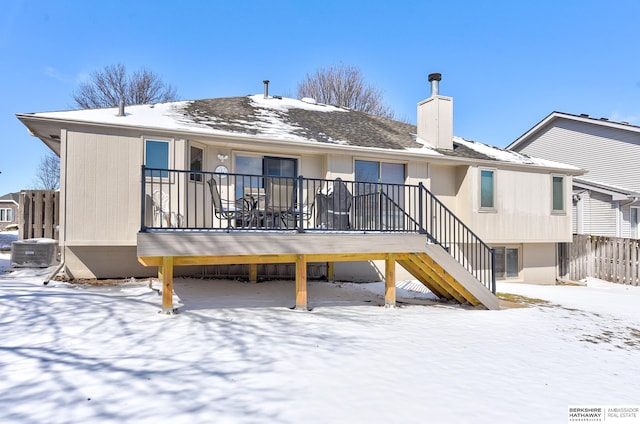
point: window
(196, 156)
(253, 167)
(280, 167)
(379, 197)
(635, 221)
(487, 189)
(558, 194)
(507, 262)
(157, 156)
(248, 165)
(379, 172)
(6, 215)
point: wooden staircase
(447, 279)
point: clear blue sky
(507, 64)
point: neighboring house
(606, 199)
(9, 206)
(401, 186)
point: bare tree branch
(48, 174)
(343, 85)
(110, 85)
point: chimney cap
(436, 76)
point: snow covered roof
(284, 119)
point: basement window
(507, 264)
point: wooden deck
(429, 263)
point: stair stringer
(462, 277)
(433, 279)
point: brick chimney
(435, 117)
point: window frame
(294, 161)
(197, 178)
(163, 175)
(380, 169)
(256, 180)
(505, 276)
(5, 214)
(394, 191)
(493, 207)
(555, 211)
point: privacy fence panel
(606, 258)
(39, 214)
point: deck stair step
(447, 279)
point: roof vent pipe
(434, 80)
(121, 108)
(266, 88)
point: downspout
(57, 270)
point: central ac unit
(34, 253)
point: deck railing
(180, 200)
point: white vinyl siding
(585, 145)
(601, 219)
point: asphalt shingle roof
(237, 114)
(10, 197)
(288, 120)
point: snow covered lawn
(237, 354)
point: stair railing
(444, 228)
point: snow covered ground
(237, 354)
(6, 237)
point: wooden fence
(606, 258)
(39, 214)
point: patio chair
(280, 202)
(225, 210)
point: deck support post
(166, 272)
(390, 282)
(253, 273)
(331, 271)
(301, 283)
